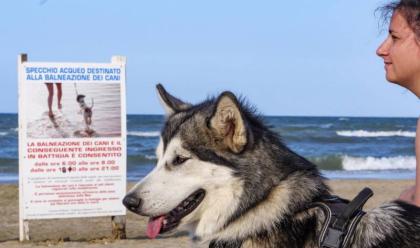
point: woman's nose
(383, 48)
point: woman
(401, 54)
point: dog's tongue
(154, 226)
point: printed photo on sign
(72, 110)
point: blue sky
(296, 58)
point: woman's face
(401, 53)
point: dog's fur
(257, 191)
(85, 110)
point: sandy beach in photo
(96, 232)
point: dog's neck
(276, 210)
(82, 104)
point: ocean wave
(9, 166)
(364, 133)
(308, 125)
(151, 157)
(328, 125)
(350, 163)
(9, 178)
(141, 159)
(144, 134)
(383, 163)
(332, 162)
(3, 133)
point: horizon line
(271, 115)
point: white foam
(3, 133)
(383, 163)
(151, 157)
(326, 125)
(363, 133)
(144, 134)
(8, 178)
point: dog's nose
(132, 202)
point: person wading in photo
(50, 87)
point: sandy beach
(96, 232)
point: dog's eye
(179, 160)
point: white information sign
(72, 139)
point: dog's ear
(170, 103)
(228, 124)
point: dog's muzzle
(132, 202)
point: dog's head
(80, 98)
(216, 162)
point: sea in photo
(342, 147)
(103, 100)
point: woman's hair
(410, 9)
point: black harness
(342, 217)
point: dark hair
(410, 9)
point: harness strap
(341, 218)
(356, 204)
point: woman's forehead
(399, 24)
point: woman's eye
(394, 37)
(179, 160)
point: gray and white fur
(238, 185)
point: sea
(342, 147)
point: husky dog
(229, 180)
(85, 110)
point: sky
(287, 58)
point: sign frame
(118, 221)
